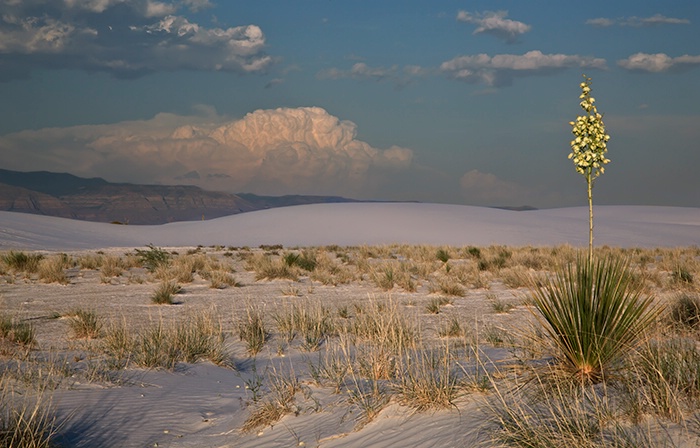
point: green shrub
(594, 314)
(152, 258)
(443, 255)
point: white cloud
(123, 37)
(495, 24)
(634, 21)
(500, 69)
(659, 62)
(280, 151)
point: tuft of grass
(682, 275)
(443, 255)
(220, 279)
(266, 267)
(16, 331)
(85, 324)
(201, 336)
(18, 261)
(305, 260)
(310, 321)
(561, 414)
(385, 278)
(252, 330)
(332, 368)
(665, 378)
(26, 421)
(427, 379)
(685, 311)
(593, 314)
(163, 295)
(153, 257)
(451, 329)
(284, 385)
(51, 269)
(499, 305)
(434, 306)
(112, 266)
(448, 287)
(90, 261)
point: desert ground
(353, 325)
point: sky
(464, 102)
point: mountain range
(95, 199)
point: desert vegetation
(309, 330)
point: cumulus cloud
(280, 151)
(501, 69)
(659, 62)
(123, 37)
(487, 189)
(634, 21)
(496, 24)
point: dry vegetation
(428, 327)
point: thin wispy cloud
(126, 38)
(495, 24)
(363, 72)
(502, 69)
(659, 62)
(634, 21)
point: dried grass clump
(684, 311)
(448, 287)
(85, 324)
(267, 267)
(428, 379)
(252, 329)
(112, 266)
(26, 420)
(163, 295)
(311, 321)
(198, 336)
(330, 271)
(16, 331)
(51, 269)
(90, 261)
(220, 279)
(21, 262)
(284, 385)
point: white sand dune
(203, 405)
(370, 223)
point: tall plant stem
(589, 180)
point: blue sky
(447, 101)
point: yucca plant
(594, 314)
(589, 149)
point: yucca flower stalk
(594, 314)
(589, 148)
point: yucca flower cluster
(589, 148)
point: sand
(205, 405)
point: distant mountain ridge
(95, 199)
